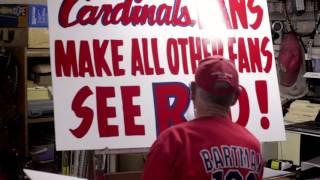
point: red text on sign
(105, 111)
(251, 54)
(70, 64)
(238, 14)
(171, 103)
(124, 13)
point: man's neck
(212, 110)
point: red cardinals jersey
(205, 149)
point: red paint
(244, 108)
(131, 111)
(100, 61)
(239, 14)
(70, 64)
(262, 96)
(268, 54)
(104, 112)
(265, 123)
(195, 52)
(85, 61)
(238, 11)
(173, 56)
(116, 57)
(251, 53)
(66, 59)
(254, 53)
(244, 62)
(183, 44)
(148, 69)
(136, 58)
(258, 11)
(140, 61)
(217, 47)
(170, 114)
(124, 13)
(83, 112)
(205, 43)
(154, 46)
(232, 55)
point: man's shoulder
(173, 130)
(250, 138)
(249, 134)
(175, 133)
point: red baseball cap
(290, 59)
(217, 76)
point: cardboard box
(43, 79)
(41, 74)
(38, 38)
(16, 15)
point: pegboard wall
(302, 14)
(303, 18)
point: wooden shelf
(38, 53)
(315, 162)
(40, 120)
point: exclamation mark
(262, 96)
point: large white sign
(121, 68)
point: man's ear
(236, 96)
(192, 90)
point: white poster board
(121, 68)
(39, 175)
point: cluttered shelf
(303, 117)
(302, 120)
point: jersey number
(232, 175)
